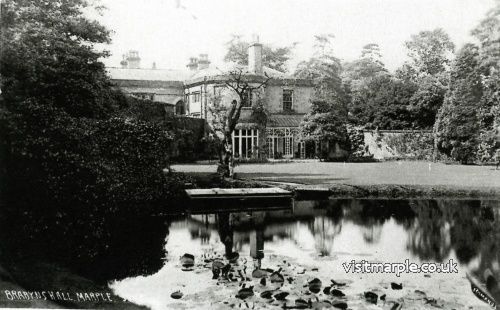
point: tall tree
(356, 75)
(457, 125)
(430, 51)
(326, 122)
(48, 53)
(488, 35)
(272, 57)
(426, 101)
(239, 81)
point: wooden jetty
(237, 199)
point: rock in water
(396, 286)
(187, 260)
(340, 305)
(176, 295)
(281, 295)
(382, 297)
(315, 285)
(371, 297)
(326, 290)
(263, 281)
(337, 293)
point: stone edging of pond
(385, 191)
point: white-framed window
(196, 96)
(287, 100)
(247, 99)
(245, 142)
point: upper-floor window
(287, 99)
(247, 99)
(196, 97)
(145, 96)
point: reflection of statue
(225, 233)
(257, 246)
(257, 238)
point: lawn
(391, 172)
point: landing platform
(237, 192)
(238, 199)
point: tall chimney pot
(133, 60)
(203, 62)
(255, 57)
(193, 64)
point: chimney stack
(133, 59)
(193, 64)
(203, 62)
(124, 63)
(255, 57)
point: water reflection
(383, 230)
(310, 232)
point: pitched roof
(148, 74)
(284, 120)
(226, 67)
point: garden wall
(399, 144)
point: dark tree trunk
(226, 162)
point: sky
(168, 32)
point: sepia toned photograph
(250, 154)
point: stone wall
(400, 144)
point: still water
(312, 239)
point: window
(144, 96)
(244, 142)
(196, 97)
(247, 99)
(287, 99)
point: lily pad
(315, 285)
(371, 297)
(176, 295)
(337, 293)
(187, 260)
(281, 295)
(245, 292)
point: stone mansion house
(188, 93)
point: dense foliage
(71, 160)
(468, 125)
(457, 127)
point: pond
(317, 240)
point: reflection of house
(285, 99)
